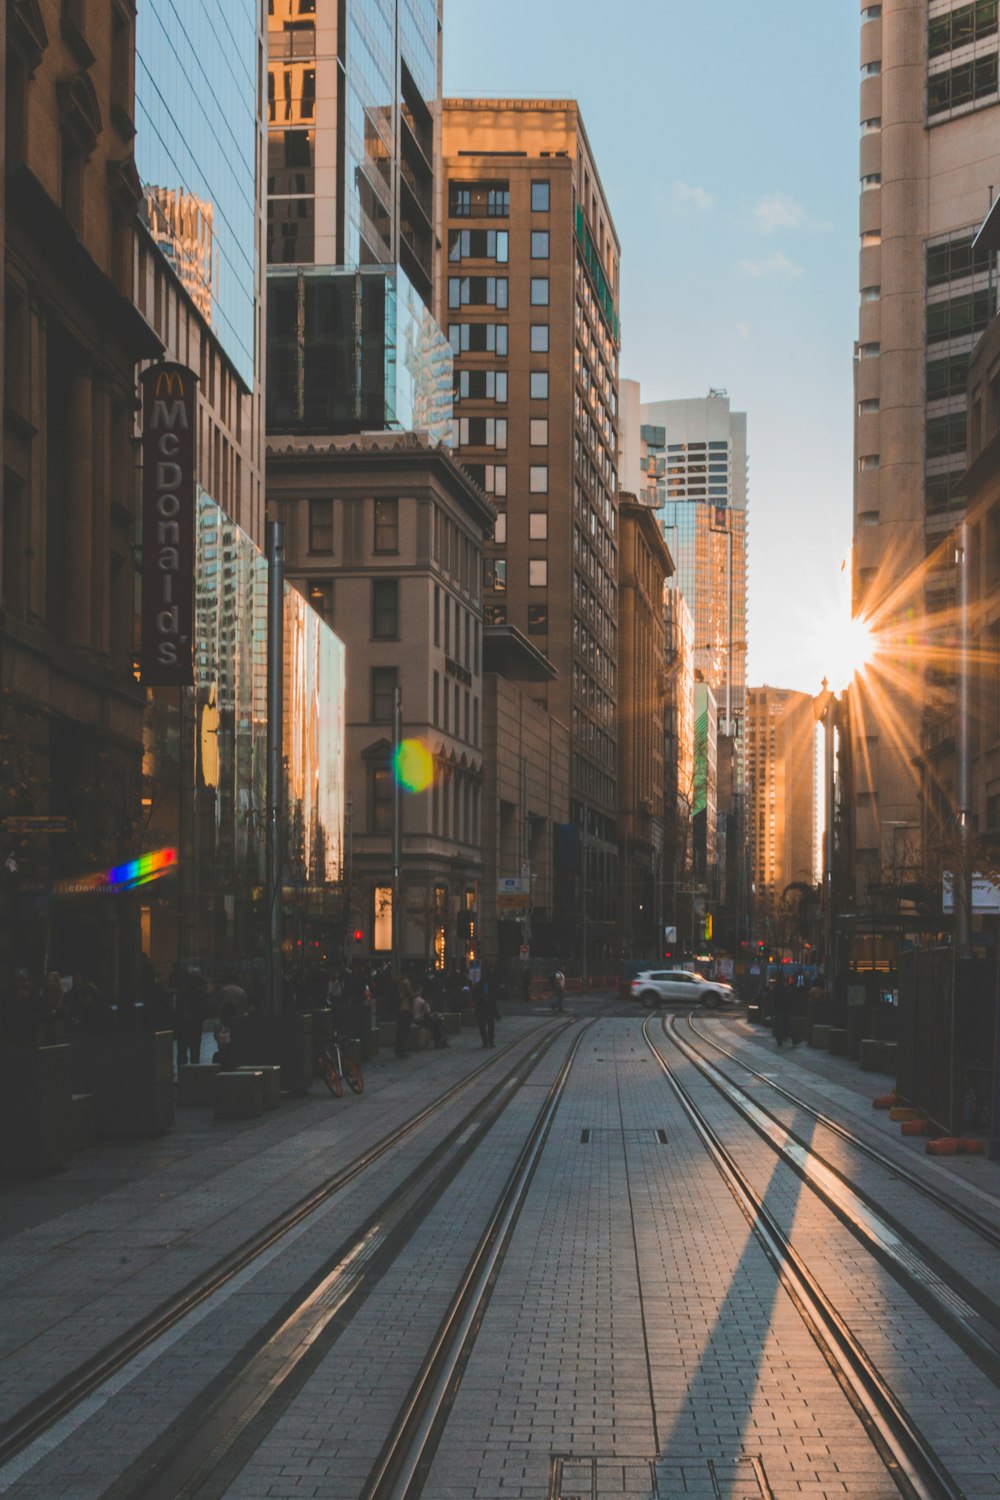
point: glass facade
(351, 135)
(354, 350)
(195, 150)
(204, 768)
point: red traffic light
(358, 935)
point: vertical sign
(169, 414)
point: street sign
(525, 951)
(512, 893)
(670, 934)
(46, 823)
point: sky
(728, 150)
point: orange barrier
(913, 1127)
(884, 1101)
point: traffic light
(668, 953)
(359, 936)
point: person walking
(558, 983)
(487, 1013)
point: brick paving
(637, 1342)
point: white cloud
(684, 196)
(777, 264)
(773, 211)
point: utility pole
(275, 767)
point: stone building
(70, 708)
(385, 533)
(644, 565)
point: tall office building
(930, 135)
(782, 813)
(353, 120)
(694, 462)
(529, 294)
(692, 456)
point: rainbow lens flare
(142, 870)
(414, 766)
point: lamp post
(824, 712)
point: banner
(169, 415)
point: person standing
(486, 1013)
(192, 1004)
(404, 1016)
(782, 1013)
(558, 983)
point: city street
(575, 1265)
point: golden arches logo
(169, 383)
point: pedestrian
(431, 1022)
(404, 1015)
(557, 982)
(192, 1007)
(781, 1013)
(487, 1013)
(526, 983)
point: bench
(239, 1095)
(271, 1074)
(196, 1083)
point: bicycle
(333, 1068)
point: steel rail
(910, 1460)
(51, 1406)
(965, 1216)
(403, 1465)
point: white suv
(653, 986)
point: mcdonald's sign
(169, 417)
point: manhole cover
(600, 1478)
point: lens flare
(414, 766)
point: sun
(848, 648)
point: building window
(477, 244)
(383, 684)
(495, 614)
(539, 385)
(967, 23)
(538, 573)
(966, 84)
(495, 574)
(945, 435)
(868, 461)
(538, 619)
(538, 479)
(870, 238)
(500, 529)
(478, 338)
(959, 316)
(477, 291)
(71, 167)
(321, 526)
(538, 432)
(871, 70)
(480, 432)
(321, 597)
(955, 259)
(870, 127)
(871, 293)
(540, 197)
(539, 244)
(871, 180)
(539, 338)
(437, 615)
(945, 377)
(385, 609)
(871, 13)
(382, 919)
(538, 525)
(869, 351)
(868, 406)
(386, 525)
(481, 385)
(381, 799)
(539, 291)
(479, 200)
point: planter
(131, 1077)
(285, 1040)
(36, 1109)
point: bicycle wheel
(331, 1077)
(355, 1080)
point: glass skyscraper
(196, 149)
(352, 344)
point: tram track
(45, 1413)
(911, 1460)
